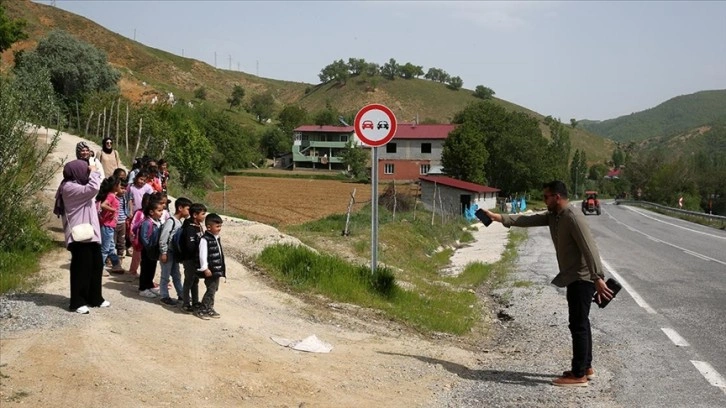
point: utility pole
(215, 59)
(230, 62)
(258, 68)
(134, 34)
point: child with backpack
(187, 251)
(149, 237)
(167, 257)
(211, 264)
(107, 198)
(136, 219)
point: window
(425, 169)
(388, 168)
(391, 148)
(426, 148)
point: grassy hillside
(163, 72)
(677, 115)
(710, 138)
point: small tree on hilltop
(482, 92)
(11, 31)
(262, 105)
(455, 83)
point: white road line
(675, 337)
(697, 255)
(711, 375)
(636, 297)
(689, 252)
(674, 225)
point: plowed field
(282, 201)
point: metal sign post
(375, 126)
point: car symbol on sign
(383, 125)
(367, 124)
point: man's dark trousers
(579, 299)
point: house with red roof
(321, 147)
(446, 195)
(412, 151)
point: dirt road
(138, 353)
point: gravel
(24, 311)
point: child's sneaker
(201, 313)
(213, 314)
(147, 293)
(154, 290)
(187, 309)
(168, 301)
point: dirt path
(140, 353)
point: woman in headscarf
(83, 152)
(74, 204)
(108, 157)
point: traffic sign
(375, 125)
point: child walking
(108, 198)
(148, 236)
(191, 234)
(211, 264)
(167, 257)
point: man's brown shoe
(570, 381)
(590, 373)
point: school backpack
(172, 234)
(176, 245)
(152, 250)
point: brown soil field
(288, 201)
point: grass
(411, 251)
(20, 259)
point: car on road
(591, 204)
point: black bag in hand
(614, 286)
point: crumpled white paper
(310, 344)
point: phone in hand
(483, 217)
(614, 287)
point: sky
(569, 59)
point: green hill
(707, 138)
(675, 116)
(147, 72)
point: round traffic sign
(375, 125)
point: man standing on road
(580, 271)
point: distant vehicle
(591, 204)
(383, 125)
(368, 124)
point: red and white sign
(375, 125)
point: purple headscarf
(75, 171)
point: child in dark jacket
(149, 237)
(211, 264)
(191, 234)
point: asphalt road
(669, 330)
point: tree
(573, 123)
(274, 141)
(409, 71)
(455, 83)
(327, 116)
(464, 155)
(482, 92)
(190, 154)
(262, 105)
(11, 31)
(597, 172)
(390, 69)
(290, 117)
(437, 75)
(355, 157)
(578, 171)
(200, 93)
(337, 71)
(516, 159)
(235, 99)
(26, 164)
(558, 150)
(618, 158)
(372, 69)
(76, 68)
(357, 66)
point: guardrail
(715, 220)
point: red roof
(412, 131)
(613, 174)
(461, 185)
(326, 129)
